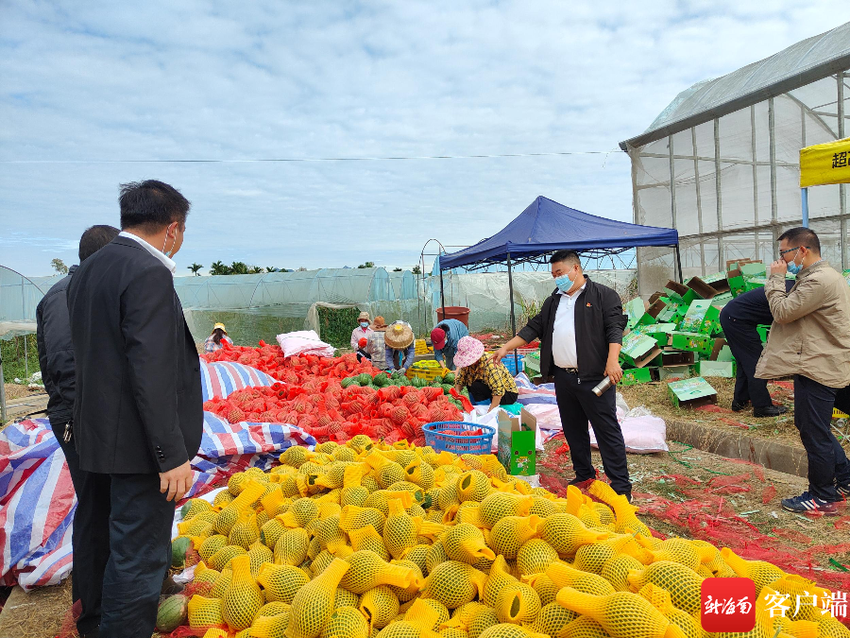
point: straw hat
(469, 350)
(379, 323)
(398, 336)
(219, 325)
(364, 316)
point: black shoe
(169, 587)
(582, 484)
(843, 489)
(737, 406)
(770, 410)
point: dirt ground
(654, 396)
(38, 614)
(15, 391)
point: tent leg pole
(679, 265)
(513, 314)
(2, 395)
(804, 196)
(442, 292)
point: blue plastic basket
(457, 443)
(510, 364)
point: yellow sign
(825, 164)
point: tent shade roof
(546, 226)
(800, 64)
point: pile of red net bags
(312, 397)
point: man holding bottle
(580, 328)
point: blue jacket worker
(399, 349)
(445, 338)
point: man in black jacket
(740, 317)
(56, 357)
(580, 328)
(138, 414)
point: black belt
(570, 370)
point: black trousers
(577, 405)
(128, 527)
(89, 556)
(480, 391)
(813, 405)
(745, 344)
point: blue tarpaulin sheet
(546, 226)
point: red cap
(438, 338)
(361, 343)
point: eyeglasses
(782, 252)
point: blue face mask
(564, 283)
(795, 268)
(364, 324)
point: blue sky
(98, 93)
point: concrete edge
(770, 454)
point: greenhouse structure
(721, 163)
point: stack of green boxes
(678, 335)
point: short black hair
(151, 205)
(570, 256)
(94, 239)
(802, 237)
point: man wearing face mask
(810, 339)
(362, 331)
(138, 414)
(580, 328)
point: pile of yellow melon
(364, 539)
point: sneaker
(808, 504)
(770, 410)
(737, 406)
(843, 489)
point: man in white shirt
(580, 328)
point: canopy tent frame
(490, 252)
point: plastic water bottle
(602, 386)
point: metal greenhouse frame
(721, 162)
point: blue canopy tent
(546, 226)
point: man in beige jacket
(810, 339)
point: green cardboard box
(518, 443)
(846, 274)
(692, 341)
(655, 309)
(676, 358)
(721, 300)
(702, 289)
(754, 282)
(736, 282)
(726, 369)
(675, 372)
(763, 330)
(718, 281)
(635, 310)
(633, 376)
(702, 316)
(659, 331)
(753, 269)
(690, 393)
(638, 349)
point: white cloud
(110, 81)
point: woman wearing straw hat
(362, 331)
(217, 339)
(484, 378)
(399, 351)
